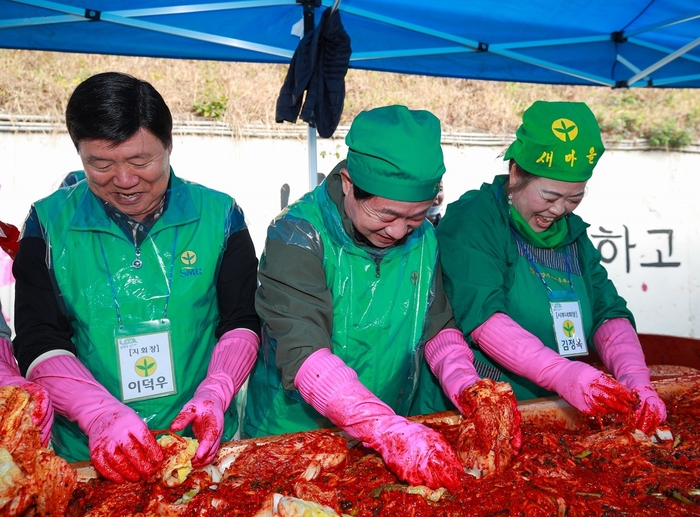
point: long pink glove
(452, 362)
(619, 348)
(584, 387)
(42, 416)
(414, 452)
(121, 446)
(231, 362)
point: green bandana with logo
(550, 238)
(558, 140)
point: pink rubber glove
(414, 452)
(618, 346)
(452, 362)
(121, 446)
(587, 389)
(231, 362)
(42, 416)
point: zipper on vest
(136, 264)
(377, 261)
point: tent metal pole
(659, 26)
(123, 17)
(313, 166)
(686, 48)
(662, 49)
(677, 80)
(309, 25)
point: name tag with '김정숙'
(568, 323)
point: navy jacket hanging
(318, 66)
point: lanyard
(522, 246)
(565, 309)
(114, 290)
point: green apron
(92, 262)
(527, 304)
(379, 316)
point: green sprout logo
(565, 130)
(568, 328)
(145, 367)
(188, 257)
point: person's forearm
(40, 324)
(295, 304)
(236, 285)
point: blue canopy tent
(620, 43)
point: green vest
(380, 308)
(91, 259)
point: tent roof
(614, 43)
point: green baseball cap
(395, 153)
(558, 140)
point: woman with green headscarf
(526, 282)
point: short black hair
(360, 194)
(113, 106)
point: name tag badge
(145, 360)
(568, 323)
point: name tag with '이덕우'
(145, 360)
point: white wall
(631, 194)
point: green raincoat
(381, 299)
(486, 271)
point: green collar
(90, 215)
(574, 225)
(550, 238)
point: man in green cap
(527, 284)
(351, 291)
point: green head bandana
(395, 153)
(558, 140)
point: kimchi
(33, 480)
